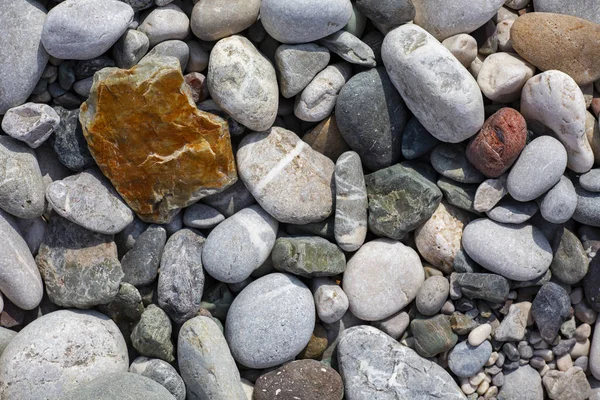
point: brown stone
(327, 139)
(159, 151)
(563, 42)
(302, 379)
(316, 345)
(501, 139)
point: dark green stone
(460, 195)
(489, 287)
(308, 256)
(433, 335)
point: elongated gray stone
(350, 48)
(201, 216)
(140, 264)
(122, 385)
(351, 203)
(308, 256)
(30, 123)
(298, 64)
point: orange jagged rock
(159, 151)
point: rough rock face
(160, 152)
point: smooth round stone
(242, 82)
(23, 59)
(586, 9)
(570, 263)
(96, 23)
(554, 100)
(435, 86)
(503, 75)
(165, 23)
(590, 181)
(330, 300)
(463, 47)
(460, 16)
(270, 321)
(318, 98)
(479, 335)
(140, 264)
(466, 360)
(538, 168)
(170, 48)
(558, 204)
(130, 48)
(438, 240)
(298, 64)
(357, 22)
(588, 207)
(510, 211)
(387, 14)
(121, 385)
(239, 245)
(30, 123)
(416, 140)
(432, 295)
(382, 278)
(20, 279)
(524, 383)
(217, 19)
(50, 342)
(371, 117)
(291, 181)
(303, 21)
(161, 372)
(22, 187)
(450, 160)
(518, 252)
(205, 362)
(549, 309)
(201, 216)
(89, 200)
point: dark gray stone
(69, 143)
(387, 14)
(550, 308)
(588, 207)
(87, 68)
(121, 386)
(466, 360)
(416, 140)
(127, 305)
(161, 372)
(450, 160)
(231, 200)
(140, 264)
(570, 263)
(489, 287)
(591, 284)
(151, 336)
(463, 263)
(461, 195)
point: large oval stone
(435, 86)
(120, 386)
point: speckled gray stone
(516, 251)
(368, 360)
(489, 287)
(201, 216)
(450, 160)
(73, 347)
(68, 141)
(298, 64)
(97, 23)
(165, 23)
(432, 295)
(30, 123)
(161, 372)
(586, 9)
(549, 309)
(239, 245)
(151, 336)
(570, 263)
(205, 362)
(558, 204)
(217, 19)
(349, 48)
(524, 383)
(181, 277)
(330, 300)
(510, 211)
(130, 48)
(308, 256)
(123, 386)
(140, 264)
(589, 181)
(466, 360)
(387, 14)
(588, 207)
(270, 321)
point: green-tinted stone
(433, 335)
(400, 199)
(308, 256)
(462, 324)
(570, 262)
(127, 305)
(151, 337)
(460, 195)
(317, 344)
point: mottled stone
(570, 263)
(499, 143)
(432, 295)
(121, 385)
(308, 256)
(30, 123)
(524, 383)
(68, 141)
(189, 157)
(489, 287)
(151, 336)
(298, 64)
(400, 200)
(327, 139)
(349, 48)
(126, 306)
(450, 160)
(466, 360)
(558, 204)
(161, 372)
(140, 264)
(569, 384)
(318, 98)
(512, 327)
(433, 335)
(461, 195)
(550, 308)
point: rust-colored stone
(159, 151)
(499, 143)
(327, 139)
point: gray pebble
(570, 263)
(466, 360)
(349, 48)
(217, 19)
(123, 385)
(161, 372)
(450, 160)
(30, 123)
(550, 308)
(151, 336)
(140, 264)
(83, 87)
(130, 48)
(330, 300)
(510, 211)
(578, 8)
(394, 325)
(198, 61)
(588, 207)
(589, 181)
(432, 295)
(201, 216)
(170, 48)
(298, 64)
(558, 204)
(33, 232)
(233, 199)
(165, 23)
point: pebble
(165, 23)
(298, 64)
(30, 123)
(489, 287)
(181, 277)
(97, 23)
(539, 167)
(307, 256)
(589, 181)
(419, 66)
(461, 195)
(371, 117)
(489, 193)
(558, 204)
(364, 356)
(553, 99)
(201, 216)
(394, 325)
(68, 141)
(217, 19)
(242, 82)
(583, 332)
(416, 140)
(130, 48)
(433, 335)
(388, 14)
(6, 335)
(349, 48)
(119, 385)
(550, 308)
(587, 210)
(239, 245)
(126, 306)
(524, 383)
(570, 263)
(50, 342)
(510, 211)
(170, 48)
(270, 321)
(380, 268)
(351, 203)
(318, 98)
(479, 335)
(450, 160)
(503, 75)
(303, 21)
(464, 360)
(432, 295)
(529, 255)
(140, 264)
(289, 180)
(205, 362)
(331, 301)
(463, 47)
(513, 326)
(569, 384)
(578, 8)
(231, 200)
(89, 200)
(23, 59)
(151, 336)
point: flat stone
(239, 245)
(30, 123)
(119, 385)
(388, 14)
(503, 75)
(432, 295)
(416, 140)
(460, 195)
(516, 251)
(539, 167)
(330, 300)
(201, 216)
(140, 264)
(327, 139)
(308, 256)
(80, 268)
(450, 160)
(349, 48)
(558, 204)
(242, 82)
(379, 268)
(434, 85)
(270, 321)
(231, 200)
(433, 335)
(587, 210)
(367, 358)
(303, 21)
(161, 372)
(589, 181)
(318, 98)
(68, 141)
(151, 336)
(371, 117)
(524, 383)
(305, 379)
(165, 23)
(400, 200)
(298, 64)
(512, 327)
(46, 347)
(550, 308)
(579, 8)
(466, 360)
(489, 287)
(194, 162)
(23, 58)
(510, 211)
(130, 48)
(97, 23)
(289, 180)
(499, 143)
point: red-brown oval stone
(499, 142)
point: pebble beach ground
(299, 199)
